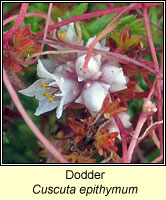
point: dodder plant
(99, 93)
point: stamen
(51, 99)
(47, 87)
(61, 35)
(45, 94)
(52, 94)
(43, 85)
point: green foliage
(92, 7)
(96, 26)
(78, 9)
(36, 22)
(152, 155)
(5, 139)
(156, 33)
(22, 144)
(136, 26)
(141, 82)
(134, 107)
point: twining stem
(29, 122)
(141, 121)
(17, 24)
(53, 52)
(45, 31)
(158, 160)
(108, 55)
(156, 66)
(123, 134)
(110, 27)
(6, 21)
(92, 15)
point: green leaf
(134, 107)
(5, 139)
(141, 82)
(96, 26)
(126, 20)
(78, 9)
(138, 27)
(156, 35)
(152, 155)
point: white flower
(113, 75)
(52, 91)
(70, 84)
(99, 79)
(93, 95)
(66, 33)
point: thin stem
(123, 134)
(17, 24)
(6, 21)
(29, 122)
(92, 15)
(109, 55)
(53, 52)
(45, 31)
(158, 160)
(156, 66)
(141, 121)
(110, 27)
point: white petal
(59, 109)
(93, 67)
(43, 73)
(80, 99)
(49, 64)
(62, 28)
(45, 106)
(71, 35)
(98, 45)
(125, 118)
(70, 90)
(115, 77)
(31, 90)
(94, 96)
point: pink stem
(9, 13)
(29, 122)
(17, 24)
(92, 15)
(158, 160)
(141, 121)
(156, 66)
(109, 55)
(6, 21)
(123, 134)
(45, 31)
(110, 27)
(148, 51)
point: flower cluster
(70, 84)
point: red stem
(110, 27)
(13, 10)
(109, 55)
(123, 134)
(45, 31)
(17, 24)
(158, 160)
(29, 122)
(156, 66)
(6, 21)
(141, 121)
(92, 15)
